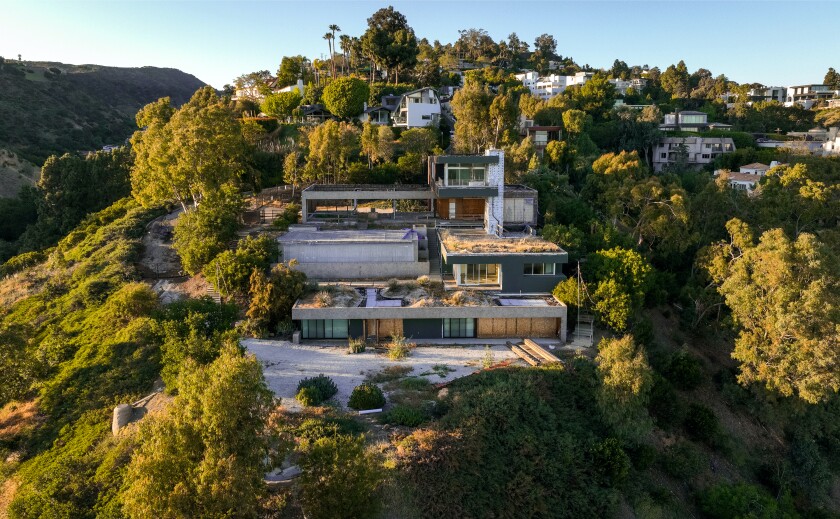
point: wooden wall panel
(389, 327)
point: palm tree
(345, 41)
(333, 29)
(329, 38)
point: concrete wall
(353, 270)
(344, 252)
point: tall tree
(345, 97)
(471, 108)
(832, 79)
(390, 42)
(205, 455)
(333, 29)
(188, 154)
(785, 296)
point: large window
(478, 274)
(465, 174)
(458, 328)
(539, 269)
(324, 328)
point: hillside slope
(15, 173)
(51, 108)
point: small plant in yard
(357, 346)
(400, 348)
(323, 299)
(405, 415)
(440, 370)
(366, 396)
(314, 391)
(393, 284)
(488, 359)
(424, 281)
(285, 328)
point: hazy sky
(771, 42)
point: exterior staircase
(212, 294)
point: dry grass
(434, 294)
(467, 298)
(477, 243)
(22, 284)
(331, 297)
(18, 418)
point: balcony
(469, 189)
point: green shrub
(684, 370)
(357, 346)
(664, 404)
(366, 396)
(314, 428)
(741, 500)
(701, 423)
(611, 460)
(415, 384)
(405, 415)
(400, 348)
(315, 390)
(684, 460)
(309, 396)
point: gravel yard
(285, 364)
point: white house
(546, 87)
(746, 178)
(832, 144)
(698, 151)
(417, 109)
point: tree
(333, 29)
(504, 119)
(626, 379)
(675, 81)
(230, 271)
(622, 277)
(332, 147)
(832, 79)
(188, 154)
(273, 296)
(339, 479)
(345, 97)
(205, 456)
(293, 68)
(785, 296)
(471, 108)
(203, 233)
(390, 42)
(575, 122)
(545, 47)
(377, 143)
(253, 84)
(596, 97)
(281, 105)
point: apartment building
(694, 151)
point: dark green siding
(423, 328)
(355, 328)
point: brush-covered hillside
(49, 108)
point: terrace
(473, 242)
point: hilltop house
(693, 151)
(690, 121)
(484, 271)
(746, 178)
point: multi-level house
(808, 95)
(690, 121)
(417, 109)
(474, 267)
(746, 178)
(693, 151)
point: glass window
(463, 174)
(324, 328)
(459, 328)
(539, 269)
(478, 274)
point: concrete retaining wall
(371, 271)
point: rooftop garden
(487, 243)
(425, 292)
(330, 296)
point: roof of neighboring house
(744, 177)
(756, 165)
(349, 236)
(692, 112)
(371, 109)
(314, 110)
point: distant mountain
(51, 108)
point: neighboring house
(699, 151)
(747, 177)
(257, 94)
(542, 135)
(491, 276)
(807, 95)
(546, 87)
(833, 103)
(690, 121)
(832, 144)
(376, 115)
(765, 94)
(417, 109)
(621, 85)
(316, 113)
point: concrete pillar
(394, 209)
(122, 416)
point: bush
(315, 390)
(366, 396)
(684, 460)
(611, 460)
(357, 346)
(314, 428)
(702, 424)
(323, 299)
(405, 415)
(393, 284)
(684, 370)
(665, 406)
(400, 348)
(424, 281)
(725, 501)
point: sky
(777, 43)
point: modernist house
(474, 268)
(542, 135)
(690, 121)
(808, 95)
(417, 109)
(546, 87)
(695, 151)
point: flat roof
(465, 159)
(348, 236)
(479, 242)
(368, 187)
